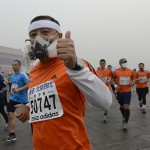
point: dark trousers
(142, 94)
(2, 111)
(5, 98)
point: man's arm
(95, 91)
(26, 82)
(90, 85)
(24, 87)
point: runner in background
(111, 83)
(2, 102)
(18, 95)
(9, 80)
(5, 88)
(123, 80)
(142, 78)
(105, 74)
(98, 68)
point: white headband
(43, 24)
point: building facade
(7, 55)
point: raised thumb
(68, 35)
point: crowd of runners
(52, 97)
(122, 82)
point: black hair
(18, 62)
(141, 64)
(102, 60)
(122, 60)
(44, 17)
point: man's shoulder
(128, 69)
(22, 73)
(146, 71)
(36, 66)
(117, 70)
(108, 70)
(138, 72)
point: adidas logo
(54, 77)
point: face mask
(41, 48)
(141, 69)
(124, 65)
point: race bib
(124, 80)
(13, 86)
(143, 79)
(44, 102)
(104, 79)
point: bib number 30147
(44, 102)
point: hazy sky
(109, 29)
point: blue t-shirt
(19, 80)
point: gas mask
(124, 65)
(41, 48)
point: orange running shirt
(67, 132)
(123, 79)
(105, 75)
(142, 76)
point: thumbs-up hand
(66, 50)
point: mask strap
(51, 38)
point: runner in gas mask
(123, 80)
(58, 86)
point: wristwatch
(79, 64)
